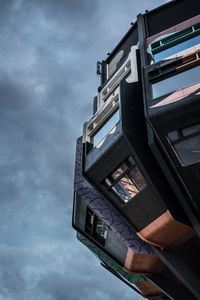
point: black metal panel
(157, 196)
(105, 160)
(100, 161)
(143, 209)
(130, 139)
(130, 39)
(180, 267)
(134, 128)
(170, 14)
(94, 105)
(165, 119)
(174, 180)
(120, 235)
(115, 246)
(174, 290)
(79, 214)
(84, 194)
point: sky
(48, 55)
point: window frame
(172, 68)
(102, 125)
(171, 40)
(110, 183)
(181, 135)
(92, 230)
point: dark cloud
(68, 8)
(48, 54)
(13, 96)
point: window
(95, 227)
(112, 65)
(126, 181)
(177, 48)
(186, 144)
(175, 82)
(106, 128)
(174, 43)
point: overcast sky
(48, 54)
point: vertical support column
(182, 271)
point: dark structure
(140, 283)
(102, 225)
(171, 84)
(137, 165)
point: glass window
(89, 221)
(128, 182)
(174, 43)
(176, 48)
(192, 130)
(175, 82)
(136, 175)
(126, 188)
(100, 229)
(119, 171)
(106, 128)
(188, 150)
(95, 227)
(121, 192)
(112, 65)
(187, 144)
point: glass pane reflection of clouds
(106, 128)
(138, 178)
(100, 228)
(176, 48)
(121, 192)
(119, 171)
(130, 184)
(176, 82)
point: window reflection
(100, 229)
(106, 128)
(186, 143)
(128, 182)
(126, 188)
(95, 227)
(175, 82)
(174, 43)
(119, 171)
(188, 150)
(138, 178)
(177, 48)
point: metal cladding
(136, 191)
(141, 282)
(135, 255)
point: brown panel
(141, 263)
(165, 231)
(189, 61)
(148, 289)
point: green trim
(174, 39)
(109, 261)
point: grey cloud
(13, 96)
(48, 271)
